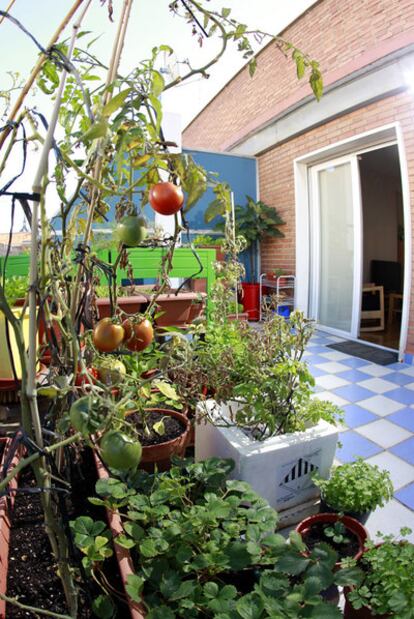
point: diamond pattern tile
(375, 370)
(401, 472)
(354, 362)
(384, 433)
(356, 416)
(402, 395)
(378, 406)
(399, 378)
(331, 381)
(331, 367)
(353, 393)
(404, 418)
(353, 376)
(405, 450)
(377, 385)
(354, 445)
(406, 496)
(381, 405)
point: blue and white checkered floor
(379, 416)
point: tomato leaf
(116, 102)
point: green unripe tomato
(111, 371)
(80, 415)
(119, 451)
(131, 230)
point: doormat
(369, 353)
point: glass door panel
(336, 260)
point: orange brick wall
(337, 34)
(333, 32)
(276, 177)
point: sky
(151, 23)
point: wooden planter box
(279, 468)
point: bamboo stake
(35, 72)
(38, 190)
(7, 10)
(97, 171)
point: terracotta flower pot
(351, 524)
(6, 506)
(160, 455)
(129, 305)
(123, 557)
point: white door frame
(315, 240)
(376, 138)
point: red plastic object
(251, 300)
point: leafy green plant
(337, 533)
(356, 487)
(255, 221)
(387, 586)
(204, 239)
(204, 546)
(264, 372)
(16, 287)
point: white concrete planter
(279, 468)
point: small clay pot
(351, 524)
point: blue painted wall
(238, 172)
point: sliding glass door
(336, 246)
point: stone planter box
(279, 468)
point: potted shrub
(198, 551)
(355, 488)
(263, 415)
(387, 585)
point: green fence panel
(145, 263)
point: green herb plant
(337, 533)
(195, 537)
(263, 370)
(387, 587)
(357, 487)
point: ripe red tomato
(107, 336)
(166, 198)
(138, 335)
(86, 379)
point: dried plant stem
(98, 168)
(35, 71)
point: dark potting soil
(32, 570)
(316, 534)
(173, 427)
(32, 575)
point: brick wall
(337, 34)
(276, 179)
(342, 36)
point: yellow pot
(7, 360)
